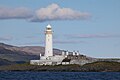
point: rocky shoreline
(90, 67)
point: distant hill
(6, 62)
(5, 45)
(25, 53)
(12, 53)
(30, 50)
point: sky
(89, 26)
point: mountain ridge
(31, 50)
(24, 53)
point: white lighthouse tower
(48, 58)
(48, 44)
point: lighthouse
(48, 58)
(48, 41)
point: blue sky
(90, 26)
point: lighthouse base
(51, 60)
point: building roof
(49, 26)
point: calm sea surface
(59, 75)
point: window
(48, 28)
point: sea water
(59, 75)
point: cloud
(49, 13)
(93, 36)
(55, 12)
(15, 13)
(6, 38)
(67, 42)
